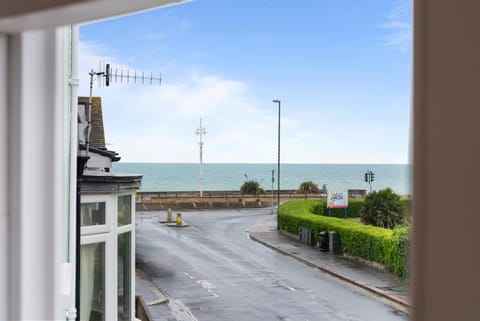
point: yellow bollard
(179, 219)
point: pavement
(361, 274)
(158, 305)
(357, 273)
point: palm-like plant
(383, 209)
(251, 187)
(308, 188)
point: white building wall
(98, 162)
(35, 149)
(71, 147)
(32, 153)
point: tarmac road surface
(214, 270)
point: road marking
(274, 280)
(205, 284)
(286, 286)
(213, 296)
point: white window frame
(98, 229)
(121, 230)
(109, 234)
(109, 265)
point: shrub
(308, 188)
(251, 187)
(383, 209)
(384, 246)
(407, 204)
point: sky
(341, 68)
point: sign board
(337, 200)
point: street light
(273, 182)
(277, 101)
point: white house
(106, 251)
(38, 157)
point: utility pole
(200, 132)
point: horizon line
(258, 163)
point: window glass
(92, 282)
(124, 280)
(124, 209)
(92, 214)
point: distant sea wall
(189, 200)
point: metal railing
(147, 196)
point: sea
(165, 177)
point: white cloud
(399, 26)
(152, 123)
(158, 123)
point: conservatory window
(124, 209)
(124, 277)
(92, 287)
(107, 257)
(92, 213)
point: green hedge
(397, 256)
(384, 246)
(354, 207)
(353, 210)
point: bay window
(107, 256)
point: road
(214, 269)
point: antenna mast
(200, 132)
(105, 76)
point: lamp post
(277, 101)
(273, 182)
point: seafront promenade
(155, 201)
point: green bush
(407, 204)
(383, 209)
(251, 187)
(384, 246)
(353, 210)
